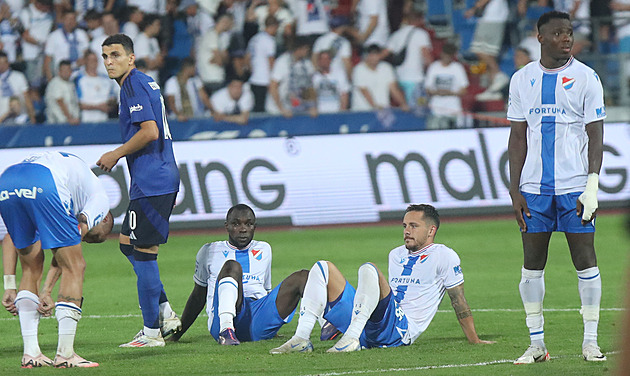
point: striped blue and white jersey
(556, 104)
(420, 279)
(255, 260)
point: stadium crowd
(228, 58)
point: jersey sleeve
(453, 275)
(268, 286)
(201, 271)
(139, 104)
(515, 111)
(594, 108)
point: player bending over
(234, 279)
(382, 313)
(54, 198)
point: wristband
(9, 282)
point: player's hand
(519, 204)
(586, 204)
(46, 305)
(8, 301)
(108, 161)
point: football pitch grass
(490, 251)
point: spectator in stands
(9, 36)
(66, 43)
(580, 12)
(311, 18)
(415, 43)
(213, 55)
(133, 18)
(238, 66)
(332, 87)
(97, 93)
(110, 27)
(87, 8)
(291, 87)
(146, 46)
(262, 54)
(92, 22)
(13, 84)
(621, 13)
(281, 14)
(446, 82)
(531, 44)
(487, 42)
(62, 103)
(152, 7)
(522, 57)
(15, 115)
(374, 82)
(337, 46)
(37, 20)
(15, 7)
(233, 103)
(372, 22)
(185, 95)
(197, 20)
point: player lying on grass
(55, 200)
(381, 313)
(233, 278)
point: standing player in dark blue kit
(148, 148)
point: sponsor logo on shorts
(136, 108)
(21, 193)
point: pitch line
(439, 311)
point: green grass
(491, 259)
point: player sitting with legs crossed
(382, 313)
(234, 279)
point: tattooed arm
(464, 315)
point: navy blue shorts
(555, 213)
(146, 220)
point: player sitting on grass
(234, 278)
(382, 314)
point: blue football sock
(149, 287)
(127, 250)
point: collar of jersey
(237, 249)
(416, 253)
(556, 70)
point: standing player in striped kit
(556, 110)
(148, 148)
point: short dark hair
(271, 21)
(430, 213)
(122, 39)
(147, 21)
(240, 208)
(91, 15)
(187, 62)
(3, 54)
(551, 15)
(65, 62)
(373, 48)
(449, 48)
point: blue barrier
(203, 129)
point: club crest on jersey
(423, 258)
(567, 82)
(257, 253)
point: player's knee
(231, 268)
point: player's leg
(325, 284)
(290, 292)
(372, 287)
(584, 259)
(68, 307)
(230, 296)
(27, 301)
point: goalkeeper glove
(589, 197)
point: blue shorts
(258, 319)
(555, 213)
(389, 331)
(147, 219)
(32, 209)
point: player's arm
(464, 315)
(517, 151)
(148, 133)
(194, 305)
(587, 202)
(9, 262)
(46, 303)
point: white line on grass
(439, 311)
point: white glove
(589, 197)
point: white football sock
(365, 300)
(228, 295)
(26, 303)
(68, 316)
(314, 299)
(590, 287)
(165, 310)
(532, 288)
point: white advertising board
(343, 178)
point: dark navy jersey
(153, 168)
